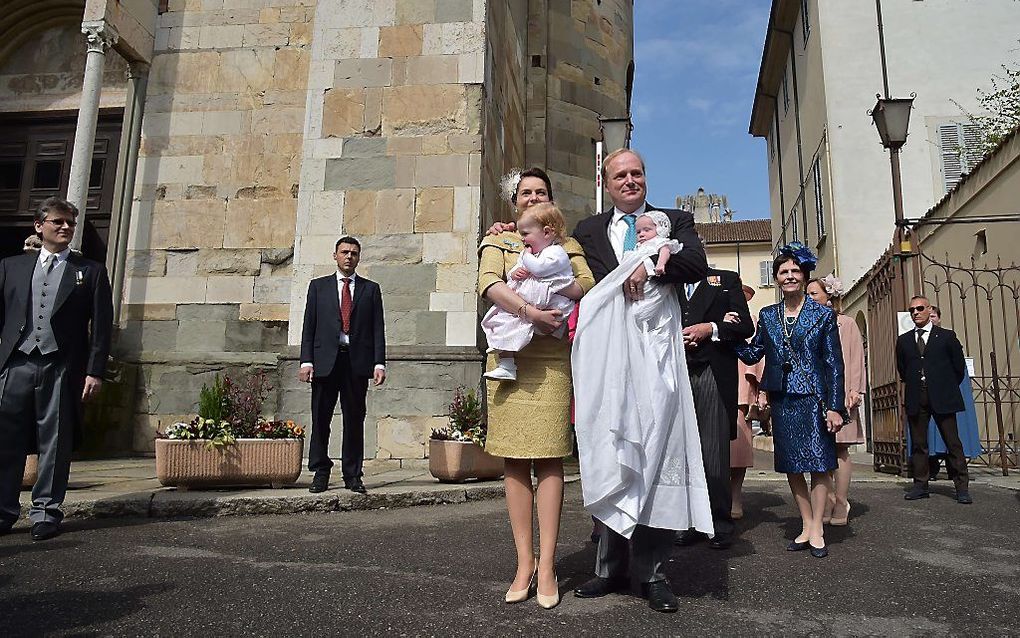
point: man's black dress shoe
(690, 537)
(598, 587)
(44, 531)
(963, 497)
(660, 597)
(819, 552)
(916, 492)
(320, 483)
(355, 486)
(721, 541)
(794, 546)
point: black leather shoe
(320, 483)
(690, 537)
(820, 552)
(916, 492)
(355, 486)
(660, 597)
(963, 497)
(794, 546)
(721, 541)
(44, 531)
(598, 587)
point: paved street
(931, 568)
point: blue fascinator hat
(801, 254)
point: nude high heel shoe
(520, 595)
(841, 522)
(548, 602)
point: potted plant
(456, 452)
(230, 442)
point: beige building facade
(238, 139)
(821, 68)
(745, 247)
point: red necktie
(346, 306)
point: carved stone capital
(99, 36)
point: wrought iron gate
(887, 432)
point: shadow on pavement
(41, 613)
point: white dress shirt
(61, 257)
(618, 234)
(344, 338)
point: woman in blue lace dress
(803, 379)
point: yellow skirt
(530, 418)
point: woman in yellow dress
(529, 419)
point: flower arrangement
(833, 285)
(467, 422)
(230, 410)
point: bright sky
(696, 64)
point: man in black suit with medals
(642, 558)
(931, 364)
(712, 365)
(57, 314)
(343, 346)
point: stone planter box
(187, 464)
(455, 461)
(31, 471)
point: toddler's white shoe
(505, 371)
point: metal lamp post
(615, 135)
(892, 119)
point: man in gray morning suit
(57, 315)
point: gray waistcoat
(38, 331)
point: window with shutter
(961, 149)
(765, 272)
(816, 175)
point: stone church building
(220, 147)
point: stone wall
(47, 76)
(590, 48)
(212, 233)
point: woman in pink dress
(741, 450)
(827, 291)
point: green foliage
(467, 419)
(212, 402)
(230, 410)
(1000, 109)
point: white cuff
(715, 331)
(305, 364)
(649, 266)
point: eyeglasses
(916, 308)
(60, 223)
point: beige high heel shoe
(520, 595)
(548, 602)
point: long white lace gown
(637, 431)
(550, 272)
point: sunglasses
(916, 308)
(60, 223)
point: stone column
(127, 164)
(99, 36)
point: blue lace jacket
(815, 357)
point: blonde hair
(546, 214)
(618, 152)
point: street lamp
(615, 135)
(892, 119)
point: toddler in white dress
(541, 227)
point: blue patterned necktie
(630, 239)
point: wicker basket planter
(455, 461)
(275, 462)
(31, 471)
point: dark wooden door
(35, 163)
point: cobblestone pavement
(931, 568)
